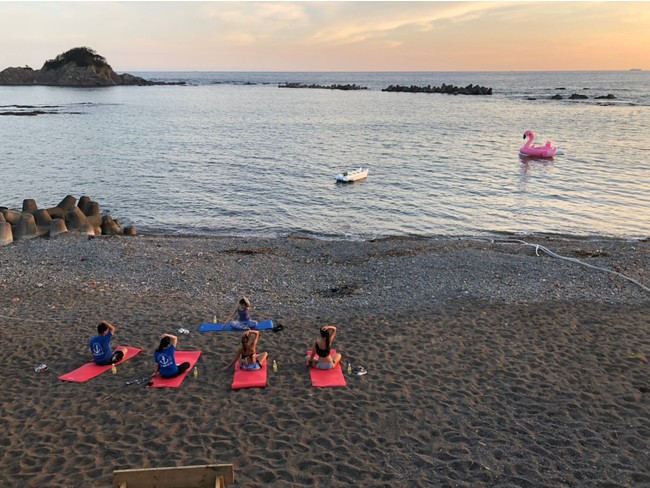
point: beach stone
(57, 226)
(6, 236)
(130, 231)
(76, 220)
(26, 228)
(12, 216)
(110, 227)
(83, 203)
(91, 211)
(67, 203)
(29, 205)
(42, 218)
(56, 212)
(63, 207)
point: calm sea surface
(234, 154)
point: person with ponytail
(247, 354)
(164, 356)
(322, 349)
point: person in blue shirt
(164, 356)
(242, 312)
(100, 345)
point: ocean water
(234, 154)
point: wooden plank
(203, 476)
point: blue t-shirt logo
(167, 362)
(164, 360)
(100, 346)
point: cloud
(379, 19)
(255, 21)
(331, 35)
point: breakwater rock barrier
(80, 217)
(325, 87)
(444, 88)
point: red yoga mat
(180, 356)
(325, 378)
(90, 370)
(249, 379)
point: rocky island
(80, 66)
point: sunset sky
(332, 36)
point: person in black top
(247, 354)
(321, 349)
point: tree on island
(81, 56)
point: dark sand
(487, 364)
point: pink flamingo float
(528, 149)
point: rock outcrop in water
(325, 87)
(82, 217)
(444, 88)
(80, 66)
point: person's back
(247, 356)
(100, 345)
(166, 361)
(322, 349)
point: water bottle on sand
(214, 319)
(349, 368)
(275, 366)
(196, 372)
(113, 369)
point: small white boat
(353, 175)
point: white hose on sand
(539, 247)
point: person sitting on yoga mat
(247, 355)
(164, 356)
(100, 345)
(322, 348)
(242, 311)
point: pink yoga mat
(90, 370)
(249, 379)
(325, 378)
(181, 356)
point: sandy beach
(490, 363)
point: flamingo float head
(529, 133)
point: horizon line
(384, 71)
